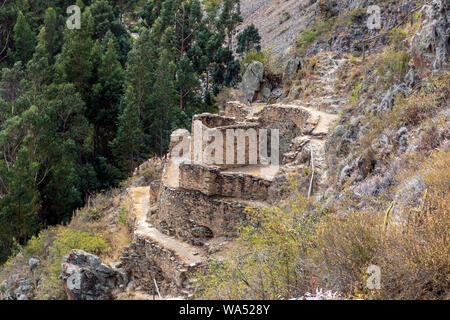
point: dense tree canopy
(81, 108)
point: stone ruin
(193, 211)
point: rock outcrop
(430, 47)
(87, 278)
(251, 80)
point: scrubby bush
(306, 38)
(393, 66)
(51, 287)
(396, 36)
(254, 55)
(267, 261)
(423, 103)
(282, 249)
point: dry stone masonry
(194, 209)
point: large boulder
(87, 278)
(291, 68)
(33, 263)
(251, 81)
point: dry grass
(101, 228)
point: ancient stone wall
(210, 181)
(145, 261)
(213, 120)
(200, 178)
(237, 110)
(194, 216)
(154, 191)
(289, 120)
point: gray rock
(431, 46)
(339, 131)
(251, 80)
(345, 173)
(33, 263)
(402, 138)
(291, 68)
(390, 97)
(87, 278)
(22, 297)
(411, 78)
(265, 92)
(277, 93)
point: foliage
(267, 260)
(248, 39)
(254, 55)
(80, 109)
(282, 249)
(393, 66)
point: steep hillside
(383, 203)
(278, 21)
(360, 185)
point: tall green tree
(248, 39)
(39, 70)
(19, 207)
(51, 34)
(230, 17)
(24, 39)
(140, 70)
(75, 64)
(10, 84)
(187, 81)
(163, 101)
(107, 93)
(127, 144)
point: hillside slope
(363, 181)
(279, 22)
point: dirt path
(185, 253)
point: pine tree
(39, 71)
(186, 80)
(229, 18)
(22, 202)
(107, 92)
(162, 99)
(248, 39)
(126, 146)
(75, 65)
(24, 39)
(10, 84)
(140, 68)
(51, 34)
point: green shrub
(51, 286)
(396, 36)
(94, 214)
(307, 36)
(123, 215)
(254, 55)
(356, 14)
(285, 17)
(393, 66)
(267, 260)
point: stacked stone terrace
(199, 201)
(195, 208)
